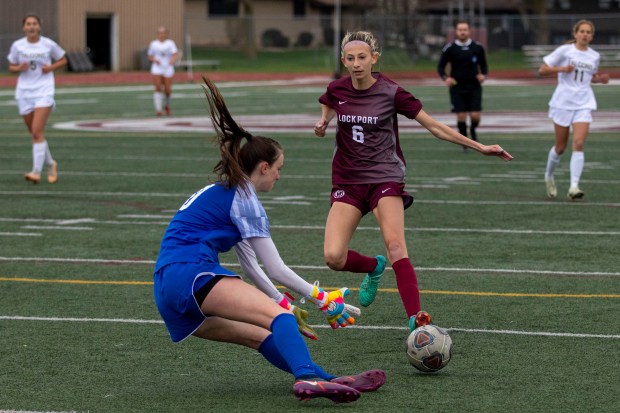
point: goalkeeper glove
(301, 316)
(333, 306)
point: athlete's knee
(578, 144)
(334, 259)
(38, 136)
(396, 250)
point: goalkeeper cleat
(32, 177)
(368, 289)
(575, 193)
(552, 191)
(369, 380)
(422, 318)
(313, 388)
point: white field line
(20, 234)
(58, 228)
(523, 177)
(36, 411)
(325, 268)
(307, 80)
(316, 83)
(355, 327)
(303, 199)
(321, 227)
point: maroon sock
(359, 263)
(407, 283)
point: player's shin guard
(269, 350)
(553, 159)
(472, 129)
(359, 263)
(291, 346)
(576, 168)
(157, 101)
(38, 156)
(462, 128)
(407, 283)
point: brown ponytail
(237, 161)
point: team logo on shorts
(338, 194)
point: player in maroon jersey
(368, 168)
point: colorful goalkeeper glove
(333, 306)
(301, 316)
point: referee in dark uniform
(468, 70)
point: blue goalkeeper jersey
(212, 221)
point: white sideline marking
(36, 411)
(476, 230)
(356, 327)
(20, 234)
(308, 199)
(501, 122)
(322, 267)
(57, 228)
(361, 228)
(74, 221)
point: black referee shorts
(466, 97)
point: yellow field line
(385, 290)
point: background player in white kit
(572, 103)
(163, 54)
(35, 58)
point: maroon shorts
(365, 197)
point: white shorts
(566, 118)
(167, 71)
(28, 105)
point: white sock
(38, 156)
(552, 162)
(168, 100)
(576, 167)
(157, 98)
(48, 155)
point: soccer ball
(429, 348)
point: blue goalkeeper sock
(322, 373)
(291, 346)
(269, 350)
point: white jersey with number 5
(574, 91)
(33, 83)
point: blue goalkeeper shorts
(174, 288)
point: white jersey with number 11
(574, 91)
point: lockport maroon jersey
(367, 146)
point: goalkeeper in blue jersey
(196, 296)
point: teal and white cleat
(368, 289)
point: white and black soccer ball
(429, 348)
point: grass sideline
(532, 310)
(321, 60)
